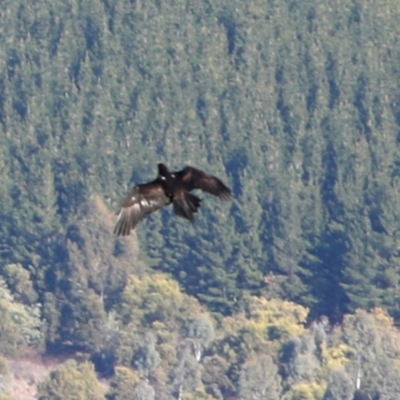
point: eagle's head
(163, 170)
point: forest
(291, 290)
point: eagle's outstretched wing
(192, 178)
(141, 201)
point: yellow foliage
(4, 369)
(337, 357)
(72, 381)
(383, 321)
(125, 374)
(156, 301)
(168, 354)
(306, 391)
(263, 326)
(144, 295)
(277, 319)
(233, 324)
(199, 394)
(123, 383)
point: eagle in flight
(168, 187)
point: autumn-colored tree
(123, 384)
(71, 381)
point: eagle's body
(167, 188)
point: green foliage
(299, 115)
(376, 351)
(200, 334)
(83, 288)
(259, 379)
(71, 381)
(9, 334)
(216, 374)
(19, 281)
(143, 391)
(146, 358)
(340, 386)
(295, 105)
(21, 324)
(93, 254)
(186, 373)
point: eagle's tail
(186, 205)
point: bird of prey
(168, 187)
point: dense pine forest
(291, 291)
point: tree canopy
(296, 105)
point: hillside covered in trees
(291, 291)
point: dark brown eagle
(168, 187)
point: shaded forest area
(291, 291)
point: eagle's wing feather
(193, 178)
(141, 201)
